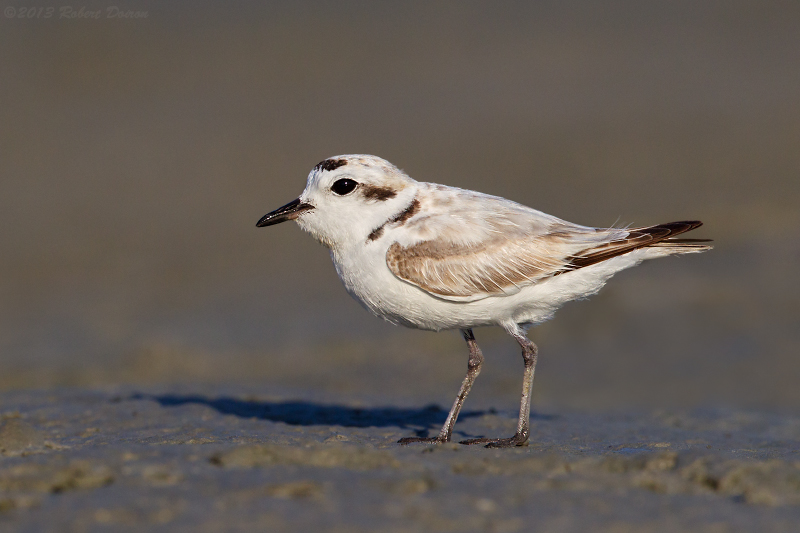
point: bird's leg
(473, 369)
(520, 438)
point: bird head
(346, 198)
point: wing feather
(466, 246)
(480, 245)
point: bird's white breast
(367, 278)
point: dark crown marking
(330, 164)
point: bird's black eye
(343, 186)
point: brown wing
(470, 273)
(503, 264)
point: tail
(680, 246)
(659, 236)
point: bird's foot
(426, 440)
(510, 442)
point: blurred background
(136, 156)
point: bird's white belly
(367, 278)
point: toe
(425, 440)
(470, 442)
(516, 440)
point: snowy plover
(434, 257)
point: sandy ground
(204, 459)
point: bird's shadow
(302, 413)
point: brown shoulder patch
(399, 219)
(330, 164)
(407, 213)
(376, 233)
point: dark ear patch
(372, 192)
(330, 164)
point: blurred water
(137, 156)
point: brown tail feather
(659, 235)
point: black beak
(290, 211)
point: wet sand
(205, 459)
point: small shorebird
(433, 257)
